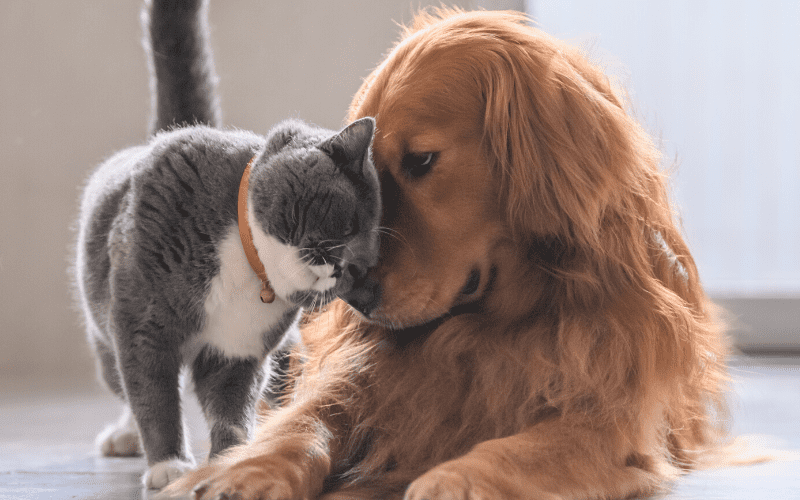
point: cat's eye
(416, 165)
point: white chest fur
(285, 268)
(236, 319)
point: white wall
(719, 82)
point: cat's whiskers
(339, 261)
(299, 265)
(322, 242)
(393, 233)
(330, 249)
(330, 256)
(318, 301)
(390, 232)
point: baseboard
(764, 326)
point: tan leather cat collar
(246, 235)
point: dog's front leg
(550, 461)
(288, 459)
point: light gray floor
(47, 433)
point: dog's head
(500, 151)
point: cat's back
(198, 162)
(190, 165)
(187, 150)
(162, 205)
(111, 180)
(184, 197)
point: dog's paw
(120, 439)
(248, 481)
(163, 473)
(451, 482)
(443, 484)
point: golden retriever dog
(536, 327)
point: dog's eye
(417, 165)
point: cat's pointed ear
(349, 147)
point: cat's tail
(183, 82)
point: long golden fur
(542, 332)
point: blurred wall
(74, 88)
(716, 84)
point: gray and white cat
(161, 272)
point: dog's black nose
(365, 294)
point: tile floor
(47, 433)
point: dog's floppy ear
(560, 138)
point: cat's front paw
(163, 473)
(120, 439)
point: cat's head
(315, 208)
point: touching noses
(365, 294)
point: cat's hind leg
(228, 390)
(120, 439)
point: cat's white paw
(324, 284)
(120, 439)
(163, 473)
